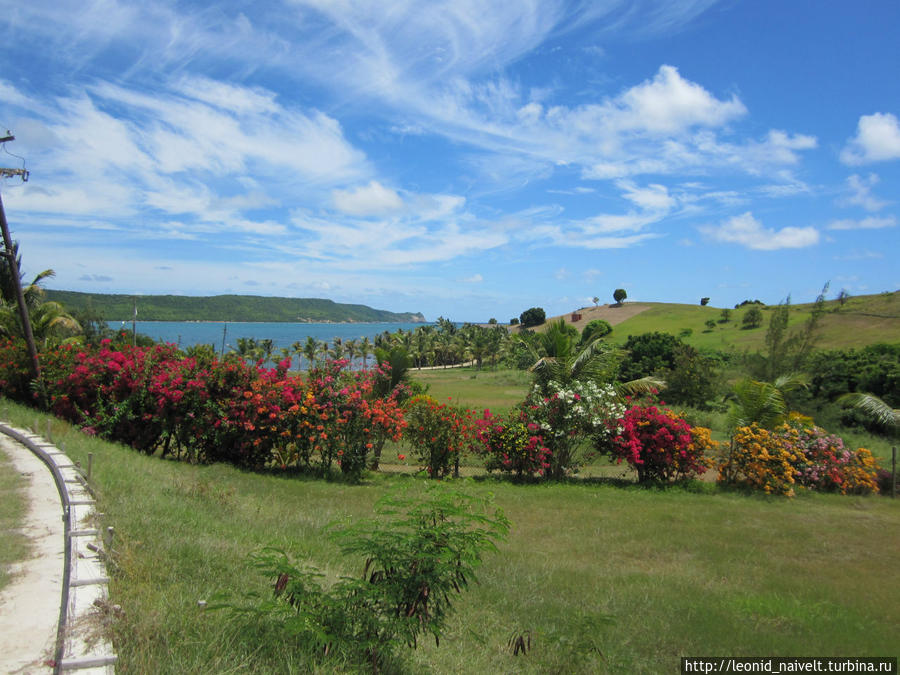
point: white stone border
(81, 646)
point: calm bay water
(187, 333)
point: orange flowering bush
(438, 434)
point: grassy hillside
(225, 308)
(861, 321)
(601, 576)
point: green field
(859, 322)
(498, 390)
(603, 576)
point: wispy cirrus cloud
(858, 192)
(871, 223)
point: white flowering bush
(568, 413)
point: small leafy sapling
(419, 553)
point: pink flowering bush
(821, 461)
(659, 445)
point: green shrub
(597, 328)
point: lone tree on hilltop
(534, 316)
(619, 295)
(704, 302)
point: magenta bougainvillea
(659, 445)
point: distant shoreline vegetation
(227, 308)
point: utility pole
(10, 254)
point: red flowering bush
(438, 434)
(15, 373)
(512, 444)
(659, 445)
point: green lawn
(13, 544)
(604, 577)
(498, 390)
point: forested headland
(226, 308)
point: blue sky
(468, 159)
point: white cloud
(749, 232)
(474, 279)
(368, 200)
(654, 197)
(871, 223)
(859, 190)
(670, 104)
(877, 140)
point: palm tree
(297, 350)
(762, 403)
(337, 348)
(247, 348)
(323, 349)
(49, 320)
(310, 349)
(33, 292)
(559, 360)
(365, 348)
(266, 347)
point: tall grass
(14, 545)
(601, 577)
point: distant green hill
(226, 308)
(860, 321)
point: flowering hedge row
(797, 454)
(156, 399)
(202, 409)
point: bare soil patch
(614, 314)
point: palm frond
(756, 402)
(791, 382)
(875, 408)
(644, 385)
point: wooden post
(90, 465)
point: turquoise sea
(187, 333)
